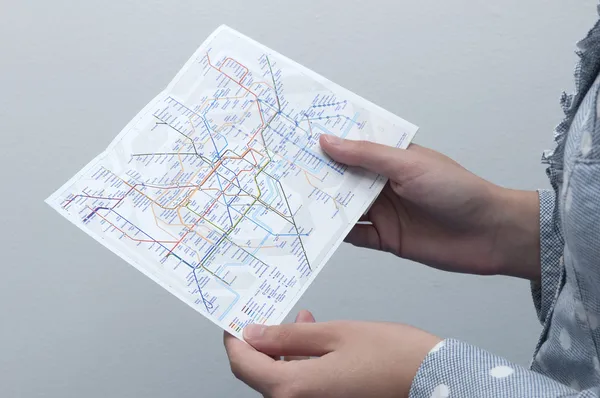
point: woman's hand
(353, 359)
(436, 212)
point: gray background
(482, 79)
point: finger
(302, 339)
(255, 369)
(363, 235)
(305, 316)
(380, 159)
(302, 317)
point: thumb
(296, 339)
(380, 159)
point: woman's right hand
(436, 212)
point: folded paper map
(218, 189)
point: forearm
(517, 234)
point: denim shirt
(566, 359)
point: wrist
(423, 345)
(516, 237)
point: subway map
(218, 189)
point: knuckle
(286, 386)
(356, 150)
(283, 335)
(235, 370)
(410, 173)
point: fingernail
(333, 140)
(254, 331)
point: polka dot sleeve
(457, 369)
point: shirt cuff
(456, 369)
(551, 251)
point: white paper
(218, 189)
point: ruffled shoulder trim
(586, 71)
